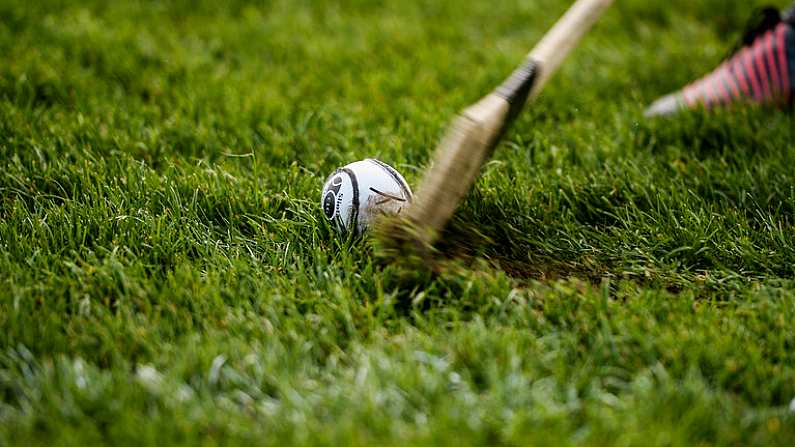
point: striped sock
(762, 72)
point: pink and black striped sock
(761, 72)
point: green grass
(167, 277)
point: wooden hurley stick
(471, 138)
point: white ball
(355, 194)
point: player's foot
(762, 71)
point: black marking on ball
(355, 201)
(387, 195)
(394, 174)
(329, 204)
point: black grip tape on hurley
(517, 87)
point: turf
(167, 277)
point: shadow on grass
(735, 134)
(467, 242)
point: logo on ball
(330, 199)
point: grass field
(167, 277)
